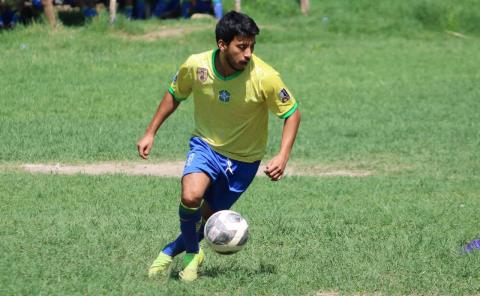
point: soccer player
(233, 91)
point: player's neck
(222, 65)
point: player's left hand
(276, 167)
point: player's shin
(178, 245)
(189, 217)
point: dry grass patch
(163, 32)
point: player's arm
(284, 105)
(179, 90)
(166, 107)
(276, 166)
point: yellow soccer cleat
(191, 264)
(160, 267)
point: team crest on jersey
(284, 96)
(202, 74)
(224, 96)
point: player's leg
(178, 245)
(199, 161)
(194, 186)
(232, 178)
(206, 213)
(222, 194)
(237, 177)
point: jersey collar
(219, 76)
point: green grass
(394, 94)
(97, 235)
(385, 17)
(80, 95)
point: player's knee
(191, 198)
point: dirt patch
(164, 169)
(172, 169)
(319, 171)
(327, 294)
(163, 32)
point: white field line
(171, 169)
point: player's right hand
(144, 145)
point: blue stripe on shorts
(230, 178)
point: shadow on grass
(214, 272)
(231, 271)
(234, 271)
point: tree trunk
(304, 6)
(113, 11)
(238, 5)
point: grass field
(395, 94)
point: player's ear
(222, 45)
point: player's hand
(276, 167)
(144, 145)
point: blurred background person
(212, 7)
(9, 13)
(167, 9)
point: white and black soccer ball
(226, 232)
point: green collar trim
(219, 76)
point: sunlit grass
(401, 102)
(97, 235)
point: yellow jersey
(231, 113)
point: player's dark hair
(235, 24)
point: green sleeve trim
(289, 112)
(172, 92)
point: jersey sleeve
(279, 99)
(182, 82)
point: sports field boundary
(168, 169)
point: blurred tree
(304, 6)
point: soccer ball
(226, 232)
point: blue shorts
(229, 178)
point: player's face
(239, 52)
